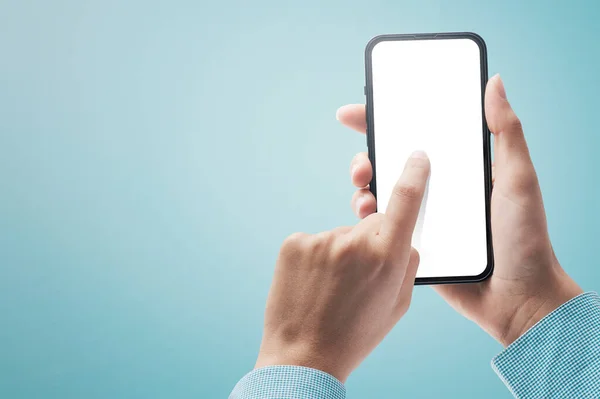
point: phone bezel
(485, 131)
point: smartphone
(425, 92)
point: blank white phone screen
(427, 96)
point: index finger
(405, 202)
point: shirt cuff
(559, 357)
(288, 382)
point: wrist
(304, 356)
(556, 292)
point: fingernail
(501, 89)
(353, 170)
(419, 154)
(337, 114)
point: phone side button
(365, 90)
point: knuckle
(294, 243)
(373, 221)
(345, 248)
(339, 231)
(321, 242)
(355, 251)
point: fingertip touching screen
(427, 95)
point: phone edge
(370, 139)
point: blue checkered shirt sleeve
(288, 382)
(559, 357)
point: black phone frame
(487, 158)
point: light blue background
(154, 154)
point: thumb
(511, 154)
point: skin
(528, 281)
(335, 295)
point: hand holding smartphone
(425, 92)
